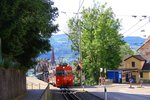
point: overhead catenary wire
(126, 31)
(135, 16)
(140, 20)
(80, 5)
(140, 27)
(132, 26)
(76, 13)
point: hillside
(62, 47)
(134, 42)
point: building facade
(137, 67)
(144, 50)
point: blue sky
(124, 10)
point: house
(146, 72)
(137, 67)
(144, 50)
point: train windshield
(61, 73)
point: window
(141, 74)
(133, 64)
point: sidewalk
(119, 91)
(32, 95)
(35, 88)
(123, 88)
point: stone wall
(12, 84)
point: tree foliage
(25, 27)
(74, 34)
(126, 51)
(100, 40)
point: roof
(128, 69)
(139, 57)
(146, 66)
(148, 39)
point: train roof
(63, 64)
(63, 67)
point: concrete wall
(12, 84)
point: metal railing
(46, 94)
(31, 85)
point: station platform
(35, 88)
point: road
(125, 96)
(121, 92)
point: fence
(12, 84)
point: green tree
(74, 34)
(126, 51)
(25, 27)
(101, 40)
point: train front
(64, 76)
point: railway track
(70, 95)
(66, 94)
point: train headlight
(57, 79)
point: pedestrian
(140, 83)
(131, 81)
(103, 81)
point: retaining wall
(12, 84)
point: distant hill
(134, 42)
(62, 46)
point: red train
(64, 76)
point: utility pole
(80, 56)
(79, 32)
